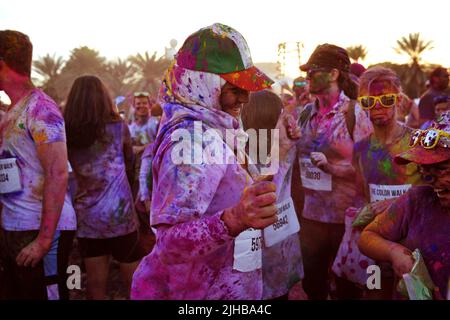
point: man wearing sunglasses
(420, 219)
(301, 92)
(379, 180)
(330, 126)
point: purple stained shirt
(374, 164)
(103, 200)
(418, 221)
(35, 120)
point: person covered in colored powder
(420, 219)
(329, 127)
(100, 152)
(300, 88)
(441, 105)
(378, 177)
(439, 80)
(282, 264)
(38, 221)
(144, 127)
(143, 132)
(208, 214)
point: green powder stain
(391, 215)
(385, 166)
(21, 126)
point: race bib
(286, 224)
(248, 251)
(313, 178)
(380, 192)
(9, 176)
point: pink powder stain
(437, 265)
(186, 59)
(364, 264)
(178, 74)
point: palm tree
(49, 67)
(83, 60)
(120, 77)
(414, 46)
(150, 70)
(357, 52)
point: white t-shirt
(146, 133)
(35, 120)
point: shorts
(47, 280)
(124, 249)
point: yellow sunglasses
(430, 138)
(386, 100)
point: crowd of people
(219, 188)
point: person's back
(27, 116)
(103, 192)
(37, 219)
(100, 151)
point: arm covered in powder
(145, 174)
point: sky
(119, 28)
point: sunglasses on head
(141, 94)
(386, 100)
(430, 138)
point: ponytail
(349, 86)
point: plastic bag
(370, 211)
(417, 285)
(364, 217)
(350, 263)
